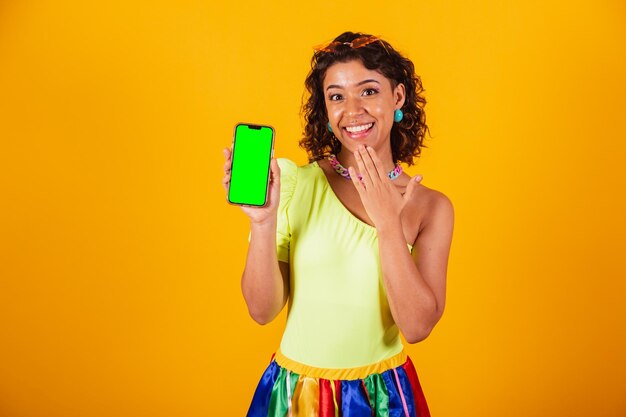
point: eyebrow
(371, 80)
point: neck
(346, 158)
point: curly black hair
(406, 137)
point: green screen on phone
(252, 153)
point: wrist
(264, 224)
(389, 228)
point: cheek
(382, 112)
(333, 112)
(385, 110)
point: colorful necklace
(343, 171)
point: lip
(360, 134)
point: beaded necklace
(343, 171)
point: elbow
(265, 314)
(261, 312)
(422, 329)
(418, 334)
(261, 318)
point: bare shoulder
(429, 201)
(432, 207)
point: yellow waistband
(360, 372)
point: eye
(335, 97)
(370, 91)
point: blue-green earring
(330, 129)
(398, 116)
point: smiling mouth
(359, 128)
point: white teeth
(355, 129)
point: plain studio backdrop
(120, 259)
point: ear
(399, 94)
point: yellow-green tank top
(338, 315)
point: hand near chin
(382, 200)
(268, 212)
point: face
(360, 103)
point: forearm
(262, 283)
(412, 302)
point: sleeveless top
(338, 314)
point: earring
(330, 129)
(398, 116)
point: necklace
(343, 171)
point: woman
(360, 252)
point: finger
(226, 181)
(412, 186)
(228, 163)
(274, 182)
(365, 175)
(354, 177)
(227, 167)
(275, 171)
(369, 166)
(377, 163)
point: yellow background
(120, 259)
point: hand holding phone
(255, 213)
(258, 214)
(252, 151)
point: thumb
(275, 176)
(274, 192)
(275, 168)
(412, 185)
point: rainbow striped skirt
(291, 389)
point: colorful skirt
(291, 389)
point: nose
(354, 107)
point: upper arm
(432, 246)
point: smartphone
(252, 151)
